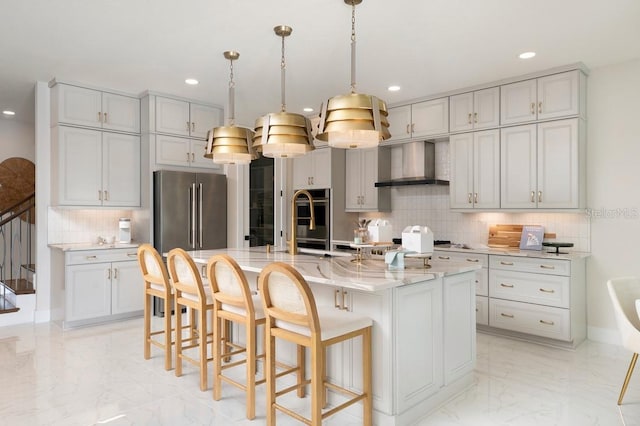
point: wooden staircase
(17, 269)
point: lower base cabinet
(101, 285)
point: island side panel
(459, 326)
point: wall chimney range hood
(418, 166)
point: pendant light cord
(283, 67)
(353, 48)
(232, 85)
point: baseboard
(604, 335)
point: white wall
(613, 182)
(17, 139)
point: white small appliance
(124, 225)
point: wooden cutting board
(503, 236)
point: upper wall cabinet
(177, 117)
(365, 167)
(419, 120)
(475, 110)
(553, 96)
(92, 108)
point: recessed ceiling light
(191, 81)
(393, 88)
(527, 55)
(8, 112)
(307, 109)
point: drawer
(81, 257)
(482, 310)
(550, 290)
(482, 282)
(539, 266)
(538, 320)
(476, 259)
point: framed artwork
(531, 238)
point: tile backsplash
(429, 205)
(84, 226)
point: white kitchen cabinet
(101, 285)
(94, 168)
(175, 151)
(475, 110)
(182, 118)
(459, 325)
(419, 120)
(80, 106)
(313, 170)
(540, 297)
(550, 97)
(365, 167)
(475, 170)
(542, 165)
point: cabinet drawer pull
(344, 305)
(469, 198)
(188, 126)
(533, 108)
(477, 309)
(506, 285)
(547, 322)
(469, 119)
(475, 117)
(109, 273)
(502, 262)
(475, 197)
(477, 281)
(533, 196)
(444, 257)
(473, 260)
(99, 116)
(547, 267)
(193, 126)
(91, 257)
(105, 117)
(545, 290)
(193, 157)
(408, 129)
(99, 195)
(506, 315)
(115, 273)
(106, 195)
(335, 299)
(132, 254)
(540, 107)
(188, 157)
(539, 196)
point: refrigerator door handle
(192, 215)
(200, 242)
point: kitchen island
(424, 343)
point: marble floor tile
(97, 376)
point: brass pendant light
(230, 144)
(283, 134)
(354, 120)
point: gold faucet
(293, 245)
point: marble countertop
(541, 254)
(370, 275)
(93, 246)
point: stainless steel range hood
(418, 166)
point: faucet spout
(293, 244)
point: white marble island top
(370, 275)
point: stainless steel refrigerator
(189, 211)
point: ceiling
(426, 47)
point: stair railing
(16, 239)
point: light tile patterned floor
(96, 375)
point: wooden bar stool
(190, 292)
(291, 314)
(156, 283)
(234, 301)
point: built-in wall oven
(319, 237)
